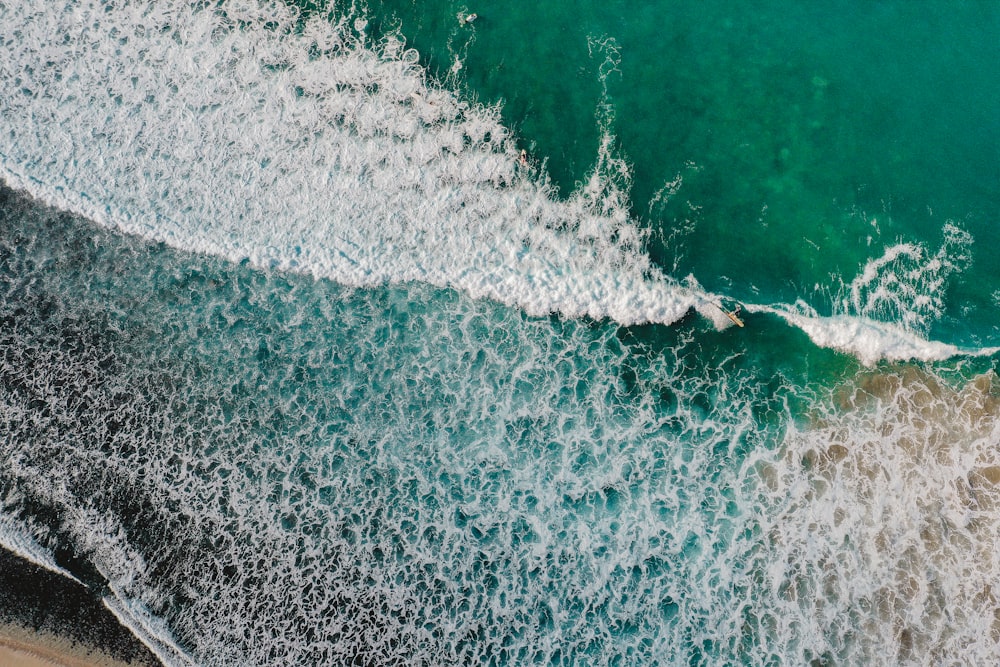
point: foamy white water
(270, 469)
(868, 340)
(241, 132)
(227, 131)
(152, 632)
(16, 539)
(442, 481)
(886, 547)
(888, 307)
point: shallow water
(303, 364)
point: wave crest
(248, 131)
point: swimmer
(523, 158)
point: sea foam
(247, 131)
(884, 549)
(434, 480)
(441, 480)
(887, 309)
(16, 539)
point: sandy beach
(20, 647)
(48, 619)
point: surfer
(731, 314)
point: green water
(807, 136)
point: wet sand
(20, 647)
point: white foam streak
(868, 340)
(150, 631)
(14, 538)
(906, 284)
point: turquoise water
(304, 363)
(805, 137)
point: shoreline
(23, 647)
(47, 619)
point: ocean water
(363, 334)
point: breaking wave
(249, 131)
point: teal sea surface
(557, 333)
